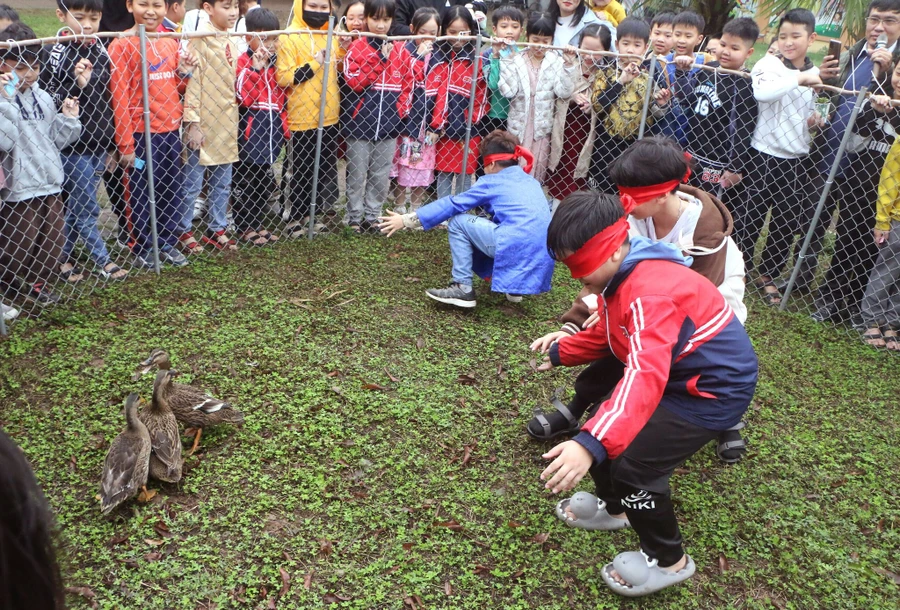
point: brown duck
(191, 406)
(127, 461)
(165, 440)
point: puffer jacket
(32, 133)
(297, 69)
(262, 128)
(449, 82)
(384, 86)
(558, 135)
(554, 82)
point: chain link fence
(195, 144)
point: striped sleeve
(654, 326)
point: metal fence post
(468, 139)
(647, 95)
(148, 162)
(323, 101)
(3, 331)
(823, 198)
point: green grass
(42, 21)
(356, 484)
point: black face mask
(315, 19)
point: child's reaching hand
(543, 344)
(498, 45)
(684, 62)
(629, 73)
(391, 223)
(386, 47)
(730, 179)
(662, 97)
(319, 57)
(70, 108)
(880, 103)
(260, 58)
(808, 79)
(570, 56)
(881, 237)
(425, 47)
(583, 101)
(193, 136)
(187, 62)
(571, 464)
(83, 71)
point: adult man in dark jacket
(406, 8)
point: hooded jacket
(521, 264)
(554, 82)
(706, 241)
(449, 82)
(558, 133)
(210, 98)
(682, 347)
(94, 100)
(721, 104)
(262, 129)
(384, 86)
(420, 104)
(32, 133)
(297, 70)
(784, 107)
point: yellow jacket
(612, 12)
(888, 206)
(210, 97)
(298, 51)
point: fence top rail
(8, 44)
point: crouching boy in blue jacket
(510, 249)
(686, 371)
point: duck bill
(141, 371)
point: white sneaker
(199, 208)
(514, 298)
(9, 313)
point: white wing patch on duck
(210, 405)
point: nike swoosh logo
(155, 67)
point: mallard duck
(191, 406)
(165, 458)
(127, 461)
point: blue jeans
(466, 234)
(82, 210)
(219, 184)
(167, 173)
(446, 181)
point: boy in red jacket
(688, 371)
(262, 129)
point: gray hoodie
(32, 133)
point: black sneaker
(454, 294)
(41, 295)
(173, 257)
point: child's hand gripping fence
(211, 142)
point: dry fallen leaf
(450, 525)
(540, 538)
(374, 386)
(84, 592)
(723, 563)
(467, 455)
(889, 574)
(333, 598)
(515, 524)
(153, 556)
(285, 582)
(153, 542)
(307, 581)
(448, 590)
(407, 546)
(420, 343)
(391, 377)
(326, 546)
(466, 379)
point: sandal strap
(738, 444)
(542, 420)
(738, 426)
(573, 421)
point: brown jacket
(709, 250)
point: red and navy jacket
(263, 119)
(384, 86)
(449, 82)
(420, 102)
(683, 349)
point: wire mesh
(271, 136)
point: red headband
(600, 247)
(519, 153)
(643, 194)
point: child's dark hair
(422, 16)
(743, 28)
(261, 20)
(577, 16)
(507, 11)
(649, 161)
(632, 27)
(690, 19)
(578, 218)
(455, 12)
(598, 31)
(16, 32)
(800, 16)
(540, 24)
(29, 574)
(379, 8)
(88, 6)
(892, 6)
(8, 13)
(664, 18)
(499, 142)
(171, 3)
(348, 5)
